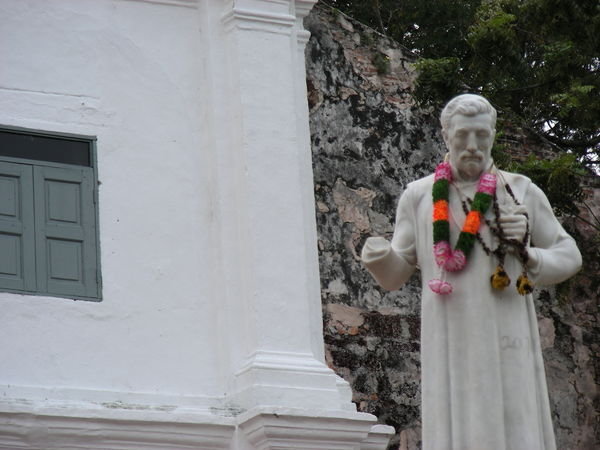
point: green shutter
(65, 227)
(17, 252)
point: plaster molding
(287, 378)
(378, 437)
(26, 424)
(345, 392)
(256, 20)
(282, 3)
(307, 429)
(303, 7)
(44, 397)
(80, 428)
(297, 362)
(302, 36)
(193, 4)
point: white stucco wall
(208, 334)
(131, 73)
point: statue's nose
(471, 142)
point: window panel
(9, 196)
(63, 202)
(11, 260)
(48, 236)
(65, 260)
(16, 144)
(17, 251)
(65, 231)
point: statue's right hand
(375, 248)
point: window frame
(92, 145)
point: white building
(158, 268)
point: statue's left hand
(514, 223)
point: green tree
(537, 61)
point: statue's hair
(467, 105)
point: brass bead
(524, 285)
(500, 278)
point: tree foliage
(560, 179)
(537, 61)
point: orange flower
(440, 210)
(472, 222)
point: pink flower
(456, 262)
(443, 172)
(440, 287)
(487, 184)
(442, 252)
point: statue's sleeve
(392, 265)
(553, 253)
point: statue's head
(468, 129)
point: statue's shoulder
(515, 178)
(422, 184)
(519, 184)
(419, 188)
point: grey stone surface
(369, 140)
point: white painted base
(76, 425)
(280, 428)
(112, 429)
(287, 379)
(378, 438)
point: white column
(265, 194)
(313, 294)
(264, 206)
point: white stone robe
(483, 379)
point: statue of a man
(482, 238)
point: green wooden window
(48, 230)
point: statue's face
(469, 140)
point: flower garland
(449, 260)
(446, 258)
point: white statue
(482, 238)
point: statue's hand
(375, 248)
(514, 223)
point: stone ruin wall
(369, 140)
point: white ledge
(60, 424)
(126, 429)
(297, 362)
(268, 428)
(178, 3)
(288, 379)
(303, 7)
(378, 438)
(249, 19)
